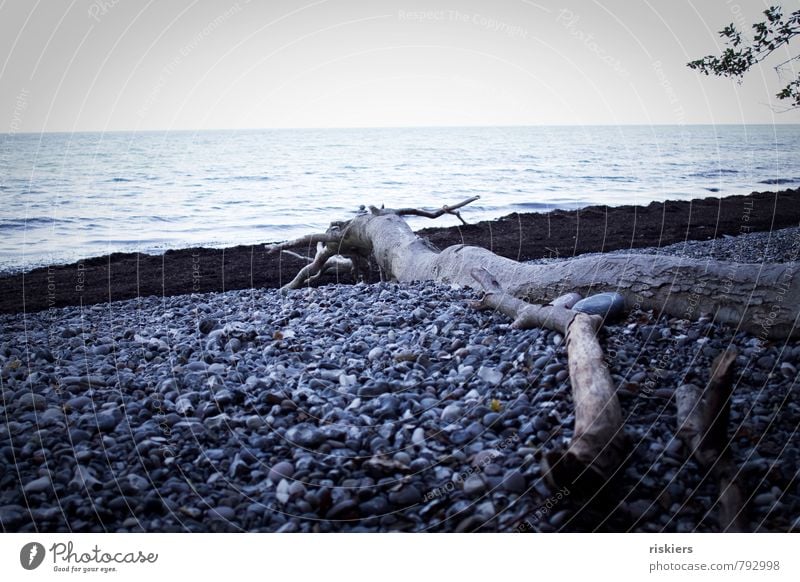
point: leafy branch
(740, 55)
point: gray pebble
(609, 305)
(281, 470)
(474, 485)
(451, 413)
(38, 485)
(32, 401)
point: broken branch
(596, 450)
(702, 417)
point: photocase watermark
(730, 274)
(169, 69)
(195, 272)
(766, 324)
(474, 18)
(736, 10)
(569, 20)
(66, 559)
(31, 555)
(672, 96)
(80, 279)
(20, 105)
(100, 8)
(543, 510)
(475, 468)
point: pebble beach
(370, 407)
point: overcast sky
(200, 64)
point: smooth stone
(608, 305)
(514, 482)
(402, 457)
(767, 362)
(222, 512)
(788, 370)
(106, 422)
(217, 422)
(484, 457)
(281, 470)
(79, 402)
(490, 418)
(254, 422)
(541, 361)
(375, 354)
(305, 435)
(78, 435)
(32, 401)
(378, 505)
(51, 416)
(374, 390)
(138, 482)
(342, 510)
(490, 375)
(38, 485)
(408, 495)
(451, 413)
(567, 301)
(418, 437)
(282, 491)
(764, 499)
(101, 350)
(474, 485)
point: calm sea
(71, 196)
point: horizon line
(367, 127)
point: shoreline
(519, 236)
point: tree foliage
(742, 53)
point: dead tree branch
(702, 417)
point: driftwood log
(702, 417)
(597, 447)
(760, 299)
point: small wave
(776, 181)
(609, 178)
(532, 205)
(713, 173)
(120, 180)
(712, 189)
(245, 178)
(33, 222)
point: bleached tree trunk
(760, 299)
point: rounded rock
(451, 413)
(609, 305)
(281, 470)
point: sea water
(70, 196)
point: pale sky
(107, 65)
